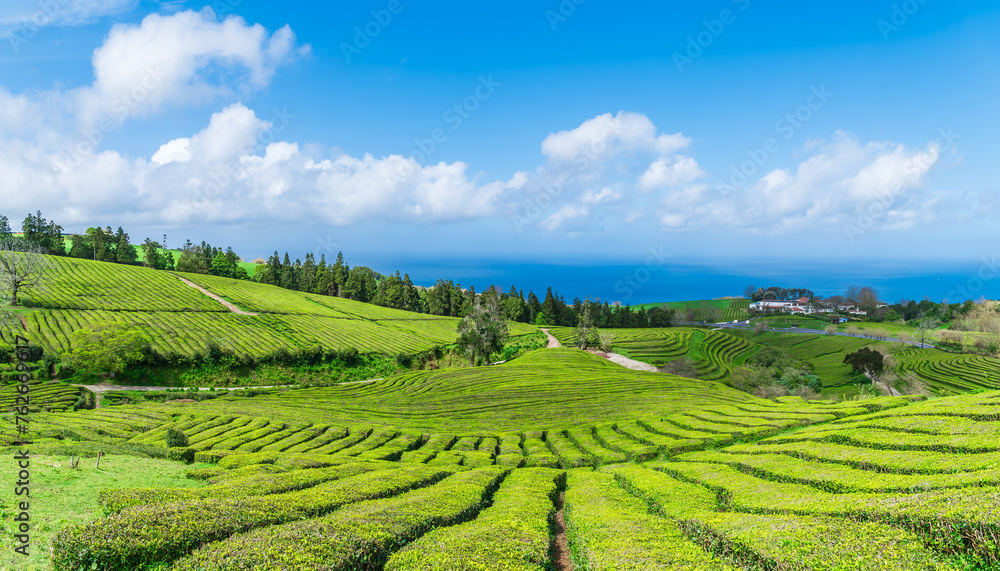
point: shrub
(176, 438)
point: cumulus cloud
(239, 168)
(840, 181)
(184, 58)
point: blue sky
(598, 131)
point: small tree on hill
(108, 350)
(866, 361)
(23, 268)
(483, 331)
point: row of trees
(116, 247)
(754, 293)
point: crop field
(183, 322)
(714, 353)
(44, 397)
(716, 309)
(948, 373)
(88, 285)
(888, 483)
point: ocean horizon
(651, 283)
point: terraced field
(45, 397)
(714, 353)
(183, 322)
(950, 373)
(713, 309)
(886, 483)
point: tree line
(115, 247)
(359, 283)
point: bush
(176, 439)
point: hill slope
(183, 322)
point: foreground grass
(61, 496)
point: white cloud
(606, 136)
(184, 58)
(670, 172)
(829, 188)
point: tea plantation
(557, 459)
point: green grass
(63, 496)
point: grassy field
(62, 496)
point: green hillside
(183, 322)
(478, 468)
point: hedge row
(780, 542)
(951, 520)
(585, 441)
(142, 536)
(117, 499)
(837, 478)
(568, 454)
(599, 514)
(633, 450)
(892, 461)
(324, 438)
(511, 534)
(356, 538)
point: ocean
(655, 282)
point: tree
(124, 250)
(867, 298)
(749, 291)
(45, 233)
(585, 329)
(108, 350)
(23, 268)
(5, 231)
(151, 254)
(852, 294)
(10, 325)
(925, 325)
(483, 331)
(866, 361)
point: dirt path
(228, 305)
(553, 342)
(631, 363)
(559, 548)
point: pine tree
(307, 277)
